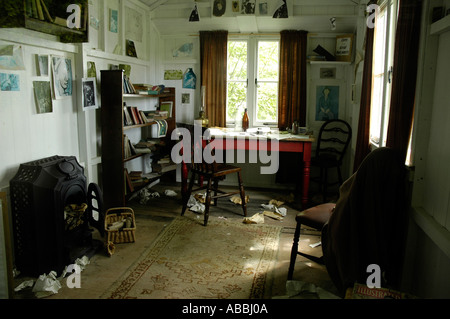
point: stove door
(95, 207)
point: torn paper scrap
(25, 284)
(315, 244)
(48, 284)
(258, 218)
(282, 211)
(170, 193)
(275, 202)
(237, 199)
(198, 208)
(272, 215)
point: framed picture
(113, 20)
(62, 76)
(166, 106)
(43, 96)
(89, 98)
(344, 47)
(327, 101)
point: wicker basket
(123, 234)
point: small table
(256, 142)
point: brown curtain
(213, 64)
(292, 83)
(363, 137)
(404, 75)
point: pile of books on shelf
(133, 116)
(142, 88)
(146, 146)
(156, 115)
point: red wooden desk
(293, 143)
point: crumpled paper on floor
(237, 199)
(272, 215)
(46, 285)
(170, 193)
(195, 206)
(257, 218)
(282, 211)
(304, 290)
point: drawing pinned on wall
(185, 98)
(62, 77)
(134, 24)
(189, 79)
(9, 82)
(219, 7)
(11, 57)
(91, 70)
(263, 8)
(327, 102)
(113, 20)
(282, 11)
(89, 94)
(183, 51)
(42, 64)
(248, 7)
(173, 75)
(43, 96)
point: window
(252, 80)
(384, 37)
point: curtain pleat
(213, 61)
(404, 73)
(363, 136)
(292, 82)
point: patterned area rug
(224, 260)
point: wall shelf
(440, 26)
(330, 62)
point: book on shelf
(145, 89)
(128, 87)
(163, 165)
(166, 106)
(127, 117)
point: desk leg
(184, 178)
(306, 173)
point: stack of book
(142, 88)
(147, 146)
(164, 165)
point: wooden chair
(209, 175)
(334, 138)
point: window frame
(252, 81)
(391, 11)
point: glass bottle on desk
(245, 121)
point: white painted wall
(428, 253)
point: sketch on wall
(89, 94)
(62, 77)
(11, 57)
(43, 96)
(9, 82)
(327, 102)
(135, 25)
(42, 64)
